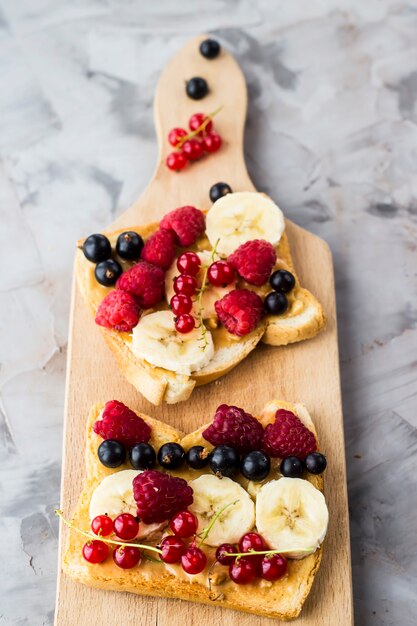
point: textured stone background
(331, 135)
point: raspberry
(234, 427)
(239, 311)
(254, 261)
(118, 310)
(121, 423)
(159, 496)
(145, 281)
(288, 436)
(160, 249)
(187, 222)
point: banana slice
(114, 495)
(210, 495)
(292, 516)
(239, 217)
(156, 341)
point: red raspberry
(254, 260)
(288, 436)
(118, 310)
(239, 311)
(145, 281)
(121, 423)
(160, 249)
(187, 222)
(159, 496)
(234, 427)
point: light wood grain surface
(306, 372)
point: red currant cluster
(192, 145)
(125, 527)
(174, 550)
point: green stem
(206, 531)
(200, 295)
(195, 132)
(267, 552)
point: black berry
(111, 453)
(315, 462)
(142, 456)
(275, 303)
(210, 48)
(196, 88)
(255, 465)
(197, 457)
(97, 248)
(292, 467)
(224, 461)
(219, 190)
(107, 272)
(281, 280)
(171, 456)
(129, 245)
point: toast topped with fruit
(232, 514)
(182, 302)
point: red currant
(185, 323)
(252, 541)
(222, 553)
(196, 120)
(193, 149)
(175, 135)
(188, 263)
(126, 526)
(172, 549)
(273, 567)
(243, 570)
(221, 274)
(95, 551)
(126, 557)
(193, 560)
(176, 161)
(212, 142)
(180, 303)
(184, 524)
(102, 525)
(185, 284)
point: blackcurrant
(224, 461)
(196, 88)
(111, 453)
(275, 303)
(292, 467)
(171, 455)
(315, 462)
(219, 190)
(142, 456)
(97, 248)
(107, 272)
(255, 465)
(210, 48)
(129, 245)
(196, 457)
(281, 280)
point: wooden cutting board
(307, 372)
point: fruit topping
(97, 248)
(218, 190)
(175, 136)
(172, 549)
(187, 222)
(107, 272)
(291, 467)
(184, 323)
(197, 120)
(273, 567)
(212, 142)
(159, 496)
(118, 310)
(275, 303)
(281, 280)
(288, 436)
(102, 525)
(243, 570)
(193, 149)
(223, 551)
(224, 461)
(171, 456)
(185, 284)
(221, 274)
(197, 457)
(160, 249)
(111, 453)
(188, 263)
(234, 427)
(142, 456)
(254, 261)
(251, 542)
(95, 551)
(315, 463)
(121, 423)
(145, 281)
(184, 524)
(126, 526)
(176, 161)
(194, 560)
(239, 311)
(126, 557)
(210, 49)
(255, 465)
(196, 88)
(180, 303)
(129, 245)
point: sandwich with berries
(232, 514)
(182, 302)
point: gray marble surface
(333, 102)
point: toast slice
(281, 599)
